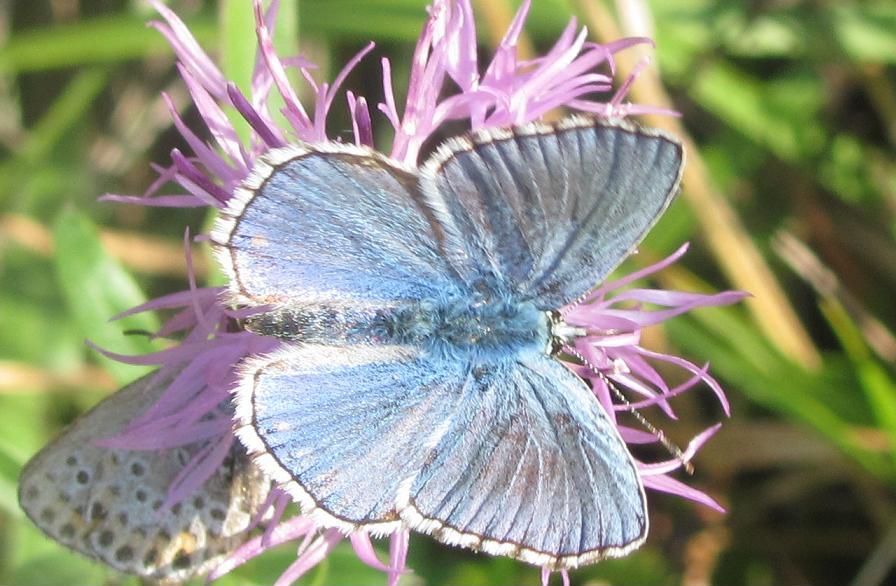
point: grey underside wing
(107, 503)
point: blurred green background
(790, 194)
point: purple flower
(447, 83)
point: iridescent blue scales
(416, 386)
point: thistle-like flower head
(447, 83)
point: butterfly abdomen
(317, 324)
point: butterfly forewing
(545, 213)
(108, 503)
(335, 224)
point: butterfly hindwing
(341, 427)
(545, 212)
(530, 467)
(107, 503)
(514, 457)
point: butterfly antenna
(671, 447)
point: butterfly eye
(555, 346)
(562, 333)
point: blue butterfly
(418, 385)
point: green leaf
(23, 430)
(101, 40)
(39, 560)
(402, 20)
(31, 155)
(867, 30)
(96, 288)
(778, 114)
(237, 43)
(30, 302)
(10, 466)
(286, 33)
(878, 385)
(781, 386)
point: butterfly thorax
(448, 325)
